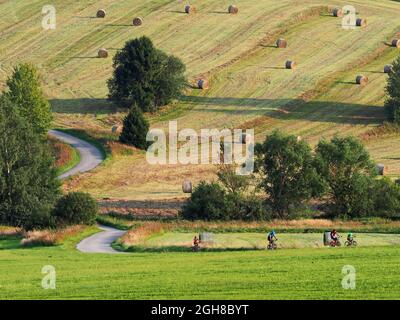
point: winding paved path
(101, 242)
(91, 157)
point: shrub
(387, 198)
(135, 129)
(207, 202)
(76, 208)
(145, 76)
(346, 168)
(288, 176)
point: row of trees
(30, 195)
(340, 174)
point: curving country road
(101, 242)
(91, 157)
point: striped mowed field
(249, 85)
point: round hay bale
(396, 43)
(190, 9)
(290, 64)
(187, 187)
(101, 13)
(103, 53)
(203, 84)
(138, 21)
(382, 169)
(362, 80)
(338, 13)
(388, 68)
(281, 43)
(361, 22)
(116, 129)
(232, 9)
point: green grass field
(251, 241)
(249, 87)
(283, 274)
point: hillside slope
(249, 86)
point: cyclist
(350, 237)
(271, 237)
(196, 244)
(334, 236)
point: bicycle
(272, 245)
(351, 243)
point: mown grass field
(249, 87)
(257, 241)
(282, 274)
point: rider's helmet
(273, 232)
(334, 231)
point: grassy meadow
(249, 86)
(289, 274)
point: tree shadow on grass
(86, 17)
(118, 25)
(268, 46)
(177, 11)
(84, 57)
(82, 106)
(219, 12)
(291, 109)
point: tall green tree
(135, 129)
(28, 178)
(287, 172)
(26, 93)
(392, 103)
(346, 167)
(145, 76)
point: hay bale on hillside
(338, 13)
(381, 169)
(281, 43)
(396, 43)
(103, 53)
(362, 80)
(190, 9)
(187, 187)
(388, 68)
(232, 9)
(138, 21)
(290, 64)
(361, 22)
(203, 84)
(101, 13)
